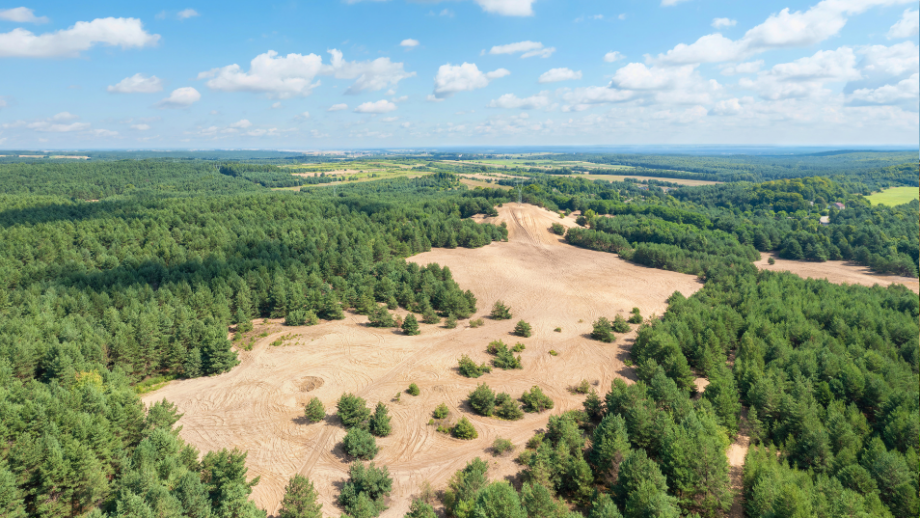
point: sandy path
(258, 405)
(736, 454)
(838, 272)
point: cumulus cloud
(241, 124)
(185, 14)
(750, 67)
(612, 56)
(337, 107)
(512, 101)
(409, 43)
(64, 117)
(896, 60)
(180, 98)
(806, 76)
(381, 106)
(907, 26)
(904, 92)
(508, 7)
(21, 15)
(122, 32)
(559, 74)
(140, 127)
(288, 76)
(137, 84)
(580, 98)
(718, 23)
(780, 30)
(667, 3)
(57, 124)
(527, 49)
(727, 107)
(451, 79)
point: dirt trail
(838, 272)
(736, 454)
(258, 405)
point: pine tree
(353, 411)
(451, 321)
(464, 430)
(360, 444)
(315, 411)
(500, 311)
(380, 422)
(410, 325)
(522, 329)
(300, 500)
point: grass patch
(151, 384)
(894, 196)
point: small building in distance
(839, 205)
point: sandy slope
(258, 405)
(838, 272)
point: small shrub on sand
(451, 321)
(523, 329)
(314, 411)
(552, 352)
(620, 325)
(583, 387)
(413, 390)
(410, 325)
(441, 411)
(558, 229)
(636, 317)
(482, 400)
(558, 330)
(476, 323)
(602, 330)
(464, 430)
(536, 401)
(771, 261)
(518, 347)
(501, 446)
(469, 368)
(500, 311)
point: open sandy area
(258, 405)
(838, 272)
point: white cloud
(723, 22)
(104, 133)
(805, 77)
(185, 14)
(612, 56)
(749, 67)
(2, 103)
(622, 16)
(64, 117)
(180, 98)
(508, 7)
(781, 30)
(451, 79)
(122, 32)
(241, 124)
(50, 127)
(21, 15)
(409, 43)
(528, 49)
(276, 105)
(907, 26)
(904, 92)
(390, 119)
(671, 2)
(293, 75)
(337, 107)
(511, 101)
(304, 115)
(381, 106)
(558, 74)
(140, 127)
(727, 107)
(580, 98)
(137, 84)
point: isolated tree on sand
(500, 311)
(620, 325)
(602, 330)
(410, 325)
(523, 329)
(353, 411)
(464, 430)
(380, 422)
(360, 444)
(300, 500)
(315, 411)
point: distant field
(679, 181)
(894, 196)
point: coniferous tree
(500, 311)
(380, 422)
(314, 410)
(353, 411)
(410, 325)
(300, 500)
(360, 444)
(523, 329)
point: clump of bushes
(582, 388)
(507, 408)
(523, 329)
(366, 490)
(414, 390)
(636, 317)
(451, 321)
(380, 317)
(476, 323)
(353, 411)
(500, 311)
(464, 430)
(536, 401)
(482, 400)
(441, 411)
(314, 411)
(300, 318)
(469, 368)
(558, 229)
(602, 330)
(518, 347)
(430, 317)
(620, 325)
(501, 446)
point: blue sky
(397, 73)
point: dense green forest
(143, 282)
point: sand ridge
(258, 405)
(837, 272)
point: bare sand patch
(680, 181)
(258, 406)
(837, 272)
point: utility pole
(520, 192)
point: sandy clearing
(838, 272)
(736, 454)
(258, 405)
(679, 181)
